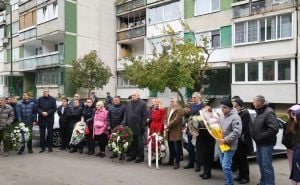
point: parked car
(56, 135)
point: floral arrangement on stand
(19, 135)
(78, 133)
(156, 148)
(120, 140)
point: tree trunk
(89, 92)
(182, 102)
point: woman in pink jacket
(100, 127)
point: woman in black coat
(62, 112)
(245, 145)
(87, 113)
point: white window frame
(260, 73)
(258, 31)
(163, 13)
(43, 13)
(209, 33)
(210, 8)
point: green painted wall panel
(226, 36)
(8, 56)
(70, 53)
(189, 37)
(21, 52)
(225, 4)
(70, 17)
(189, 8)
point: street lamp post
(3, 4)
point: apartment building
(48, 35)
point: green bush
(282, 115)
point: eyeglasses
(89, 102)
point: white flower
(125, 145)
(162, 154)
(118, 138)
(162, 147)
(113, 145)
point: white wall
(274, 93)
(158, 29)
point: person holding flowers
(231, 126)
(26, 113)
(7, 117)
(100, 127)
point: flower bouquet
(211, 122)
(78, 133)
(120, 140)
(156, 148)
(19, 135)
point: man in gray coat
(231, 126)
(135, 118)
(7, 117)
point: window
(15, 28)
(268, 71)
(239, 72)
(253, 71)
(206, 6)
(1, 57)
(14, 4)
(121, 81)
(16, 55)
(215, 39)
(51, 76)
(164, 13)
(280, 1)
(284, 70)
(2, 33)
(3, 80)
(266, 29)
(240, 32)
(240, 11)
(252, 31)
(47, 13)
(265, 71)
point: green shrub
(282, 115)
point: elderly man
(195, 157)
(173, 132)
(263, 131)
(231, 126)
(7, 117)
(135, 118)
(46, 107)
(77, 97)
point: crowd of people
(175, 123)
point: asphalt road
(63, 168)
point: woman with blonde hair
(157, 118)
(100, 127)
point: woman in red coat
(157, 118)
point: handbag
(87, 130)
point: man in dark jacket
(264, 130)
(74, 116)
(189, 112)
(115, 116)
(135, 118)
(108, 100)
(6, 119)
(12, 102)
(26, 113)
(245, 146)
(87, 113)
(46, 107)
(62, 112)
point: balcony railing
(133, 33)
(27, 34)
(26, 5)
(41, 61)
(130, 5)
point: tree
(89, 72)
(180, 64)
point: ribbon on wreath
(150, 140)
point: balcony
(41, 61)
(132, 33)
(131, 5)
(26, 5)
(27, 34)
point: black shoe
(188, 166)
(169, 163)
(139, 160)
(30, 151)
(73, 150)
(20, 152)
(43, 150)
(121, 157)
(50, 150)
(237, 178)
(201, 175)
(206, 176)
(244, 181)
(131, 158)
(176, 166)
(197, 169)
